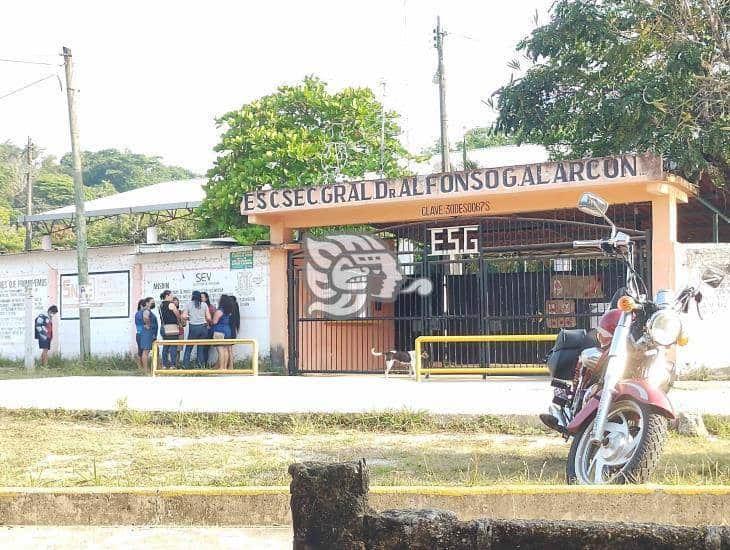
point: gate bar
(481, 338)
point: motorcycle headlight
(665, 327)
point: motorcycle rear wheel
(633, 443)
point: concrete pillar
(152, 236)
(663, 239)
(328, 502)
(53, 299)
(279, 296)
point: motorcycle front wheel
(632, 445)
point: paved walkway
(152, 538)
(512, 395)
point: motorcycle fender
(639, 390)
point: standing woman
(149, 332)
(235, 326)
(205, 297)
(222, 329)
(197, 314)
(139, 327)
(169, 319)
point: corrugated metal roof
(488, 157)
(168, 195)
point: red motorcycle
(611, 388)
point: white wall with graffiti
(120, 276)
(241, 272)
(707, 346)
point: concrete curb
(263, 506)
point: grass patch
(390, 422)
(704, 374)
(126, 447)
(394, 422)
(111, 365)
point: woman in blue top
(149, 332)
(222, 329)
(138, 326)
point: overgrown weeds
(400, 421)
(104, 365)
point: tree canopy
(479, 137)
(124, 170)
(614, 76)
(300, 135)
(53, 188)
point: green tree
(614, 76)
(12, 239)
(55, 189)
(301, 135)
(482, 137)
(479, 137)
(124, 170)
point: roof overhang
(483, 191)
(169, 195)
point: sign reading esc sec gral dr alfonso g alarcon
(471, 183)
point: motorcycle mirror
(712, 277)
(593, 205)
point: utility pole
(29, 195)
(382, 130)
(81, 246)
(438, 36)
(463, 151)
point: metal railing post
(254, 370)
(509, 370)
(154, 358)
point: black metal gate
(523, 277)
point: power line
(24, 62)
(29, 85)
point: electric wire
(28, 85)
(24, 62)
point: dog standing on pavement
(401, 357)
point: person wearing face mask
(149, 332)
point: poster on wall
(242, 259)
(575, 286)
(249, 286)
(12, 305)
(565, 309)
(106, 296)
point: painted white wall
(209, 270)
(707, 347)
(108, 336)
(43, 269)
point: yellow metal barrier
(480, 338)
(254, 370)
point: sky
(153, 76)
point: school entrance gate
(523, 278)
(518, 274)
